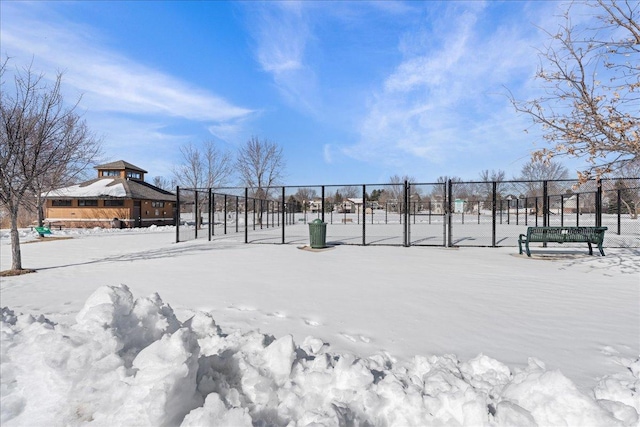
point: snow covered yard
(274, 335)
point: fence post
(494, 199)
(282, 209)
(178, 213)
(407, 220)
(598, 203)
(196, 212)
(364, 215)
(210, 217)
(322, 207)
(545, 205)
(246, 214)
(619, 206)
(225, 213)
(449, 212)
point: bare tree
(260, 164)
(394, 193)
(486, 187)
(305, 195)
(538, 170)
(443, 180)
(533, 174)
(628, 185)
(42, 143)
(350, 192)
(493, 175)
(205, 167)
(591, 77)
(164, 183)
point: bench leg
(520, 246)
(590, 248)
(601, 250)
(527, 248)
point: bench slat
(587, 235)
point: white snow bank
(131, 362)
(102, 187)
(29, 234)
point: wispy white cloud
(232, 130)
(281, 36)
(108, 81)
(141, 114)
(327, 153)
(281, 32)
(445, 102)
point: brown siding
(151, 215)
(92, 216)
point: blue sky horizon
(354, 92)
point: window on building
(61, 202)
(134, 175)
(110, 173)
(114, 202)
(157, 204)
(88, 202)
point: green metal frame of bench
(589, 235)
(42, 230)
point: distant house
(436, 205)
(350, 205)
(584, 204)
(119, 197)
(315, 205)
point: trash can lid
(317, 221)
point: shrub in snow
(131, 362)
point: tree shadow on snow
(172, 252)
(625, 260)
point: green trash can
(318, 234)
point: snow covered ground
(125, 327)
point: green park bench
(42, 231)
(589, 235)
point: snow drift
(131, 362)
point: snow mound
(131, 362)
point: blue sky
(354, 92)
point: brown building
(119, 197)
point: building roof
(120, 165)
(112, 188)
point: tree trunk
(633, 214)
(16, 257)
(39, 203)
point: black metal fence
(450, 213)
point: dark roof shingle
(120, 165)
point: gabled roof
(120, 165)
(112, 188)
